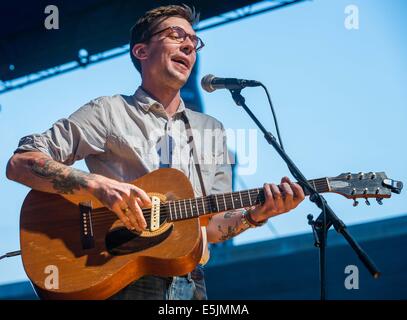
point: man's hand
(40, 172)
(124, 199)
(278, 199)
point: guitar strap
(194, 151)
(205, 250)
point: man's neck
(168, 97)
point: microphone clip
(237, 97)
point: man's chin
(179, 78)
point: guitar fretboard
(195, 207)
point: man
(118, 138)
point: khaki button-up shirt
(125, 137)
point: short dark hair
(145, 26)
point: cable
(274, 115)
(11, 254)
(323, 209)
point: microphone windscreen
(206, 83)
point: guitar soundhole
(121, 241)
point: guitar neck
(195, 207)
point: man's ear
(140, 51)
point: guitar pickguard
(120, 240)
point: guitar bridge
(155, 213)
(86, 229)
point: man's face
(168, 61)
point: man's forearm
(38, 171)
(225, 225)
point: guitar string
(180, 204)
(208, 202)
(105, 215)
(164, 215)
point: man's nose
(187, 46)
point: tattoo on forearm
(64, 179)
(230, 232)
(229, 214)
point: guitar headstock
(364, 185)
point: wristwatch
(244, 220)
(247, 220)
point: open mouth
(181, 62)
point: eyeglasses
(178, 34)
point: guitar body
(60, 267)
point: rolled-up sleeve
(70, 139)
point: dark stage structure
(89, 31)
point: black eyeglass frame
(199, 43)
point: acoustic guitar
(75, 248)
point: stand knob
(355, 203)
(311, 222)
(367, 202)
(379, 201)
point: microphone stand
(327, 217)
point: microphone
(211, 83)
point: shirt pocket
(133, 149)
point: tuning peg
(367, 202)
(355, 202)
(379, 201)
(394, 185)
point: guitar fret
(313, 182)
(175, 210)
(203, 205)
(185, 205)
(192, 211)
(217, 204)
(197, 207)
(169, 206)
(250, 198)
(233, 201)
(241, 201)
(327, 184)
(180, 210)
(224, 201)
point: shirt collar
(144, 100)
